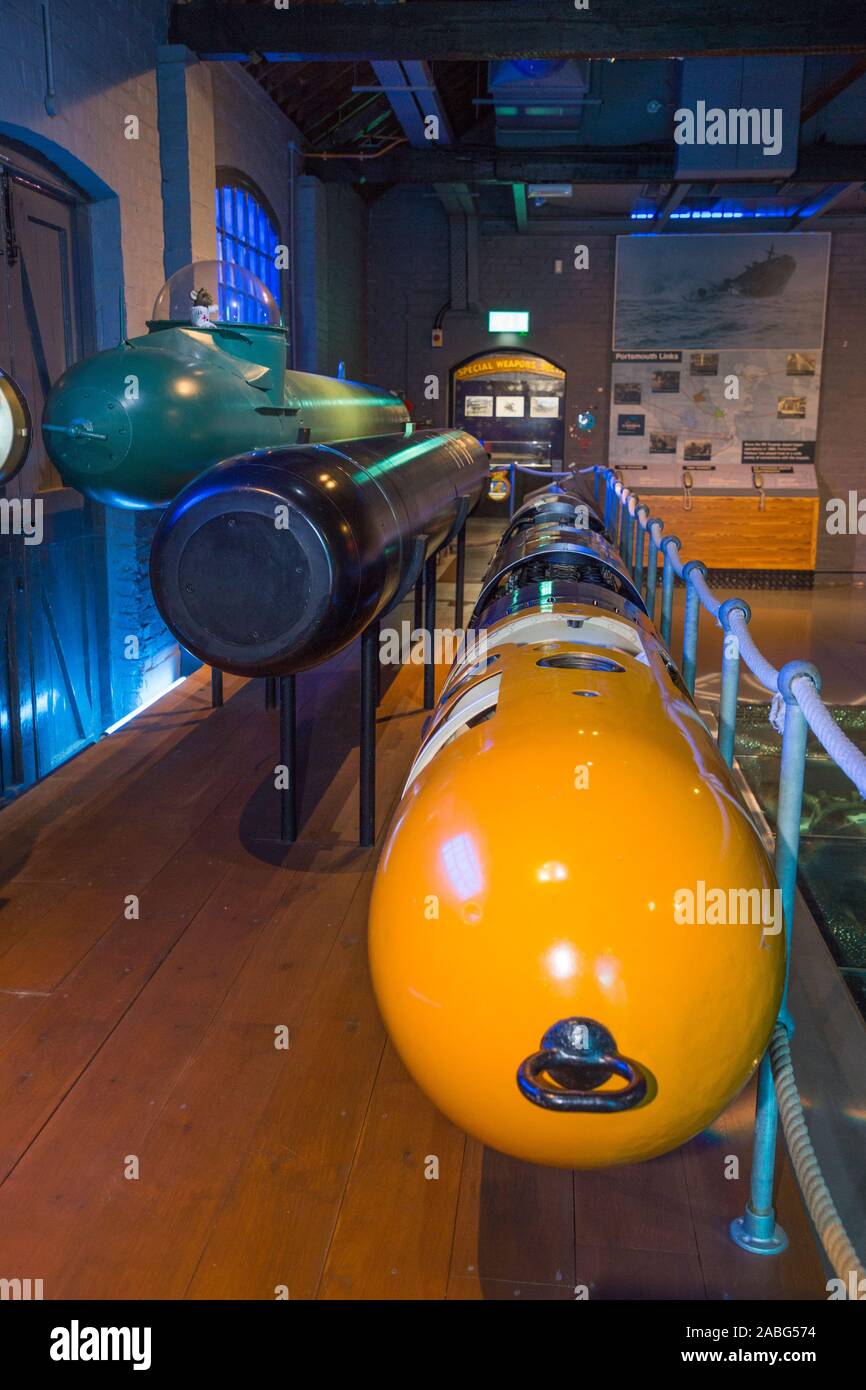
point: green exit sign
(508, 321)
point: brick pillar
(186, 156)
(311, 274)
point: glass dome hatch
(209, 293)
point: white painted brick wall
(103, 65)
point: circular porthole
(16, 428)
(573, 661)
(590, 694)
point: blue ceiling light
(538, 67)
(717, 214)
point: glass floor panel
(832, 869)
(832, 807)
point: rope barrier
(816, 1194)
(844, 753)
(796, 705)
(542, 473)
(833, 740)
(671, 552)
(711, 604)
(753, 657)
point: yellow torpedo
(575, 934)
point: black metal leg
(461, 577)
(216, 688)
(378, 662)
(270, 692)
(288, 760)
(419, 601)
(367, 780)
(429, 629)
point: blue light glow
(112, 729)
(717, 214)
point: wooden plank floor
(145, 1044)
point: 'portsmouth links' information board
(717, 345)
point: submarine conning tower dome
(132, 425)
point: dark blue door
(51, 566)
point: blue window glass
(246, 236)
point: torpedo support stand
(369, 700)
(370, 697)
(288, 761)
(418, 614)
(460, 578)
(458, 532)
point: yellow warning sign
(492, 364)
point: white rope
(816, 1194)
(840, 748)
(672, 553)
(756, 662)
(699, 584)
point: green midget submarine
(131, 426)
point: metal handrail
(797, 707)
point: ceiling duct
(537, 103)
(738, 118)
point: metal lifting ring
(583, 1051)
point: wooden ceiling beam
(480, 29)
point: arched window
(247, 231)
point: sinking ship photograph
(762, 279)
(762, 293)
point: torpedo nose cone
(87, 432)
(238, 588)
(125, 428)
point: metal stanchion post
(640, 536)
(791, 777)
(757, 1230)
(668, 579)
(609, 502)
(730, 677)
(652, 567)
(691, 624)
